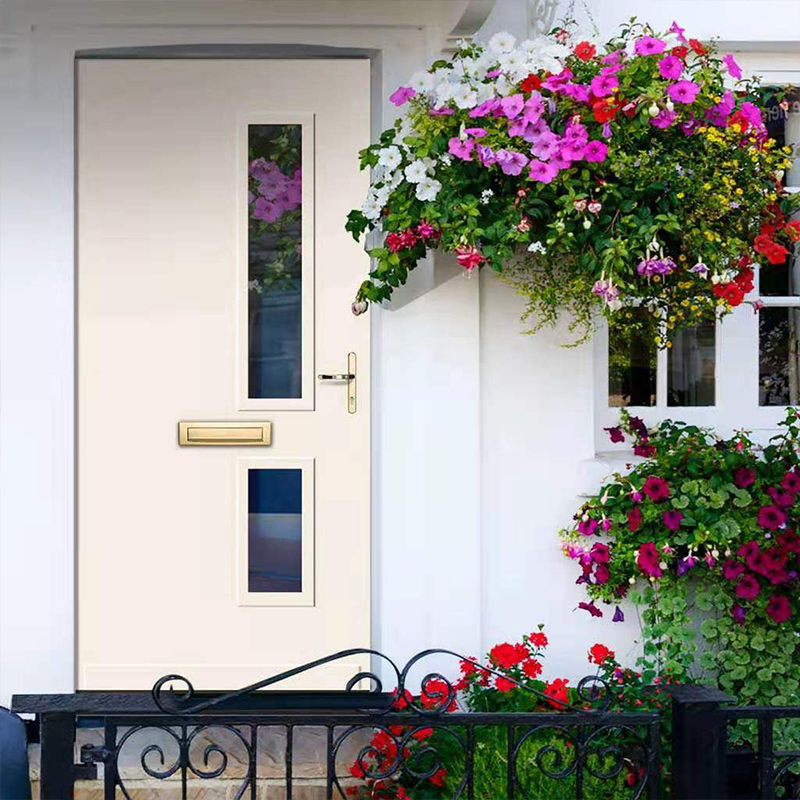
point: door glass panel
(275, 261)
(631, 360)
(778, 383)
(691, 366)
(275, 530)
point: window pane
(274, 530)
(631, 360)
(777, 367)
(274, 261)
(691, 364)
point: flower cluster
(639, 168)
(272, 193)
(706, 521)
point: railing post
(699, 738)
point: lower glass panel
(275, 530)
(778, 382)
(631, 360)
(275, 272)
(691, 366)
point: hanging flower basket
(638, 170)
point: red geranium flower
(532, 668)
(437, 779)
(681, 51)
(538, 639)
(585, 50)
(507, 655)
(557, 693)
(598, 653)
(530, 83)
(504, 685)
(697, 47)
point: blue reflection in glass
(275, 530)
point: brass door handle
(349, 376)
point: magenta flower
(486, 155)
(556, 83)
(678, 31)
(670, 67)
(672, 519)
(443, 111)
(649, 559)
(572, 152)
(469, 257)
(402, 95)
(618, 615)
(744, 477)
(791, 482)
(731, 569)
(596, 150)
(663, 119)
(541, 171)
(545, 146)
(576, 133)
(738, 614)
(644, 450)
(600, 553)
(591, 608)
(734, 70)
(747, 588)
(512, 105)
(587, 526)
(649, 46)
(615, 434)
(461, 148)
(602, 573)
(510, 161)
(778, 608)
(752, 113)
(718, 114)
(578, 92)
(781, 499)
(683, 91)
(685, 564)
(603, 85)
(476, 132)
(771, 517)
(657, 489)
(534, 108)
(425, 230)
(485, 108)
(634, 519)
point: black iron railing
(373, 744)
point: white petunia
(502, 86)
(397, 179)
(515, 64)
(484, 92)
(529, 45)
(486, 61)
(464, 96)
(371, 208)
(416, 171)
(389, 157)
(502, 42)
(382, 195)
(536, 247)
(421, 81)
(254, 285)
(427, 189)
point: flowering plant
(504, 684)
(703, 537)
(640, 168)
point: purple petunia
(461, 148)
(401, 95)
(734, 70)
(512, 105)
(596, 151)
(542, 171)
(683, 92)
(510, 161)
(663, 119)
(672, 519)
(649, 46)
(591, 608)
(618, 615)
(670, 67)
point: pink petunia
(683, 91)
(596, 151)
(461, 148)
(402, 95)
(649, 46)
(734, 70)
(541, 171)
(603, 85)
(485, 108)
(670, 67)
(510, 161)
(663, 119)
(512, 105)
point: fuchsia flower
(678, 31)
(461, 148)
(649, 559)
(670, 67)
(747, 588)
(425, 230)
(649, 46)
(683, 91)
(672, 519)
(657, 489)
(402, 95)
(469, 257)
(744, 477)
(778, 608)
(485, 108)
(771, 517)
(685, 564)
(734, 70)
(443, 111)
(476, 132)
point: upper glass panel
(275, 273)
(778, 375)
(691, 366)
(631, 361)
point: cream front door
(214, 287)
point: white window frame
(736, 375)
